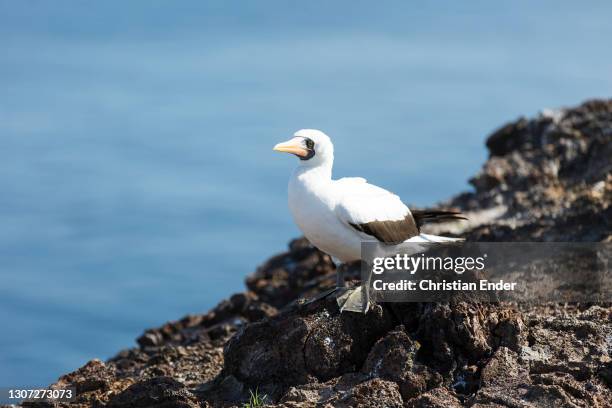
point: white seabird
(336, 216)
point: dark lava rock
(436, 398)
(304, 345)
(285, 277)
(223, 319)
(547, 179)
(375, 393)
(503, 368)
(159, 392)
(394, 358)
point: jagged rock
(159, 392)
(449, 331)
(94, 384)
(223, 319)
(375, 393)
(303, 345)
(393, 358)
(502, 369)
(436, 398)
(559, 366)
(91, 377)
(567, 345)
(551, 176)
(420, 379)
(283, 278)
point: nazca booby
(336, 216)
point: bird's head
(311, 146)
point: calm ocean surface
(137, 178)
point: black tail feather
(432, 216)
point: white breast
(312, 202)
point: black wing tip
(434, 216)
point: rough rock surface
(547, 179)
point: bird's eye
(309, 143)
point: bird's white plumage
(360, 202)
(324, 209)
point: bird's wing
(373, 211)
(350, 181)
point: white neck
(314, 174)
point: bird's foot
(348, 299)
(353, 300)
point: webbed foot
(354, 300)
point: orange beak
(292, 146)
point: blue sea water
(137, 178)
